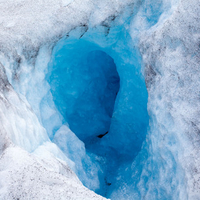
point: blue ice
(85, 84)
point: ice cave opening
(99, 91)
(84, 87)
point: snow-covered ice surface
(30, 177)
(83, 65)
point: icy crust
(171, 54)
(28, 24)
(25, 176)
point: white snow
(25, 176)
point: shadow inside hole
(85, 91)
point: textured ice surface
(155, 39)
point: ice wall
(172, 78)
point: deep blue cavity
(85, 85)
(101, 94)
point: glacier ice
(105, 92)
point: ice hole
(103, 98)
(85, 86)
